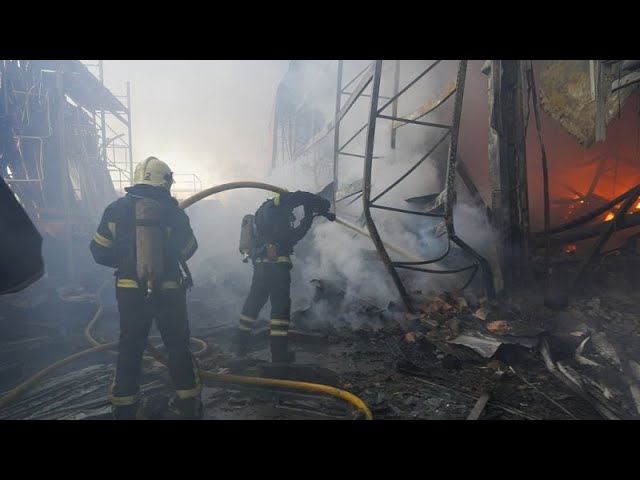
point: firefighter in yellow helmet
(147, 238)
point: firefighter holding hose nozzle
(147, 238)
(268, 238)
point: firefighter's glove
(323, 206)
(308, 211)
(330, 216)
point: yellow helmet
(153, 172)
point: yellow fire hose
(215, 377)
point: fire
(610, 216)
(638, 206)
(570, 248)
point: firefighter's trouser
(169, 309)
(271, 281)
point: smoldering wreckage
(496, 281)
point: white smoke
(330, 251)
(341, 256)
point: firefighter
(153, 246)
(274, 239)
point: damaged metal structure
(582, 96)
(551, 158)
(65, 152)
(57, 146)
(592, 101)
(439, 205)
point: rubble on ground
(439, 362)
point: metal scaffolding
(115, 141)
(52, 154)
(186, 185)
(367, 84)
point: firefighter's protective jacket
(114, 243)
(274, 220)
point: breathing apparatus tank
(247, 236)
(149, 243)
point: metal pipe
(5, 88)
(545, 169)
(412, 212)
(366, 198)
(66, 180)
(336, 136)
(366, 95)
(274, 136)
(452, 166)
(487, 274)
(427, 262)
(129, 127)
(347, 154)
(415, 122)
(428, 270)
(394, 108)
(103, 130)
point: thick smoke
(348, 260)
(230, 140)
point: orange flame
(570, 248)
(610, 216)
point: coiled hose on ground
(207, 375)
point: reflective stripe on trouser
(279, 327)
(122, 401)
(136, 314)
(246, 323)
(270, 281)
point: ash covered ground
(455, 359)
